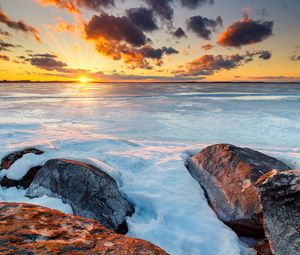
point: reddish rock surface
(263, 248)
(228, 174)
(31, 229)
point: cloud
(142, 18)
(179, 33)
(202, 26)
(114, 28)
(62, 26)
(4, 33)
(280, 78)
(295, 58)
(19, 25)
(209, 64)
(5, 46)
(244, 32)
(162, 8)
(47, 62)
(264, 55)
(207, 47)
(195, 3)
(119, 38)
(74, 6)
(4, 58)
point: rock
(88, 190)
(31, 229)
(263, 248)
(11, 158)
(228, 175)
(25, 182)
(280, 198)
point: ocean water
(141, 135)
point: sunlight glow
(83, 80)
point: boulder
(228, 174)
(90, 192)
(31, 229)
(280, 198)
(12, 157)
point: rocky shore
(256, 195)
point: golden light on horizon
(83, 80)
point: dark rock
(11, 158)
(280, 198)
(228, 175)
(31, 229)
(25, 182)
(91, 192)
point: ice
(18, 195)
(141, 134)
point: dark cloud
(19, 25)
(47, 62)
(209, 64)
(202, 26)
(207, 46)
(265, 54)
(246, 31)
(169, 50)
(5, 46)
(4, 58)
(50, 62)
(162, 8)
(142, 18)
(179, 33)
(45, 55)
(4, 33)
(195, 3)
(114, 28)
(75, 5)
(295, 58)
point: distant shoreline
(197, 82)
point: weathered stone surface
(263, 248)
(11, 158)
(25, 182)
(91, 192)
(228, 175)
(30, 229)
(280, 198)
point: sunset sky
(150, 40)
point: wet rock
(280, 198)
(11, 158)
(88, 190)
(228, 174)
(31, 229)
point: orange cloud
(62, 26)
(246, 31)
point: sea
(141, 134)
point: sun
(83, 80)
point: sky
(150, 40)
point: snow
(18, 195)
(141, 136)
